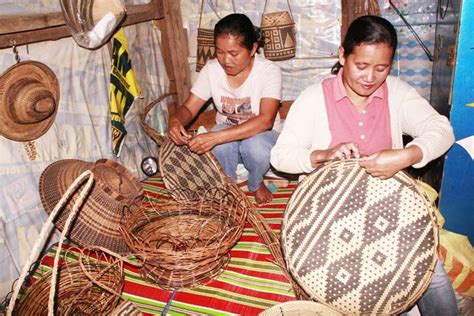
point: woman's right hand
(177, 132)
(340, 151)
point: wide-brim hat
(98, 221)
(29, 99)
(92, 22)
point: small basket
(89, 286)
(187, 241)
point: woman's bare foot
(263, 195)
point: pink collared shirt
(370, 129)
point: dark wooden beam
(26, 29)
(175, 50)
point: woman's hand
(341, 151)
(177, 132)
(204, 142)
(386, 163)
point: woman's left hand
(386, 163)
(203, 142)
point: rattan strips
(93, 287)
(88, 284)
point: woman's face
(232, 55)
(366, 69)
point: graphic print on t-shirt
(237, 110)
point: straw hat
(299, 308)
(98, 221)
(92, 22)
(29, 96)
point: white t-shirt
(235, 106)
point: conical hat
(98, 221)
(29, 97)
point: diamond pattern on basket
(359, 244)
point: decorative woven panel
(205, 47)
(185, 172)
(359, 244)
(279, 32)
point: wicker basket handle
(155, 135)
(45, 232)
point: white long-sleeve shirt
(306, 127)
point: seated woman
(362, 112)
(246, 91)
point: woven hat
(29, 97)
(98, 221)
(92, 22)
(299, 308)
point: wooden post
(352, 9)
(175, 49)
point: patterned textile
(251, 282)
(357, 243)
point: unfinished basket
(184, 171)
(89, 286)
(188, 242)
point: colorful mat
(251, 282)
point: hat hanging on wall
(92, 22)
(29, 97)
(115, 190)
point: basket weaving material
(359, 244)
(185, 243)
(299, 308)
(98, 221)
(29, 99)
(80, 289)
(184, 171)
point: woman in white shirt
(246, 91)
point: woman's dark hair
(368, 29)
(239, 25)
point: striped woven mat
(250, 283)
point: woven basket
(299, 308)
(187, 242)
(184, 171)
(98, 221)
(359, 244)
(80, 287)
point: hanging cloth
(123, 89)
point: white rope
(45, 233)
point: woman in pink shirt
(362, 112)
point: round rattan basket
(186, 242)
(89, 286)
